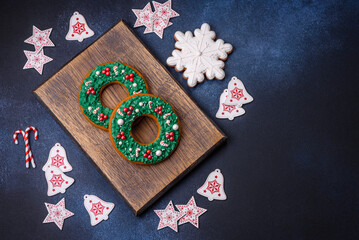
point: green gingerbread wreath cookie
(94, 83)
(125, 114)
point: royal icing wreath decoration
(119, 121)
(136, 106)
(96, 81)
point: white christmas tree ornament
(227, 111)
(57, 181)
(97, 208)
(58, 158)
(78, 28)
(213, 188)
(237, 93)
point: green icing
(128, 146)
(91, 102)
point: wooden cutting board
(138, 185)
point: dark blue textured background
(290, 163)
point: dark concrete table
(290, 163)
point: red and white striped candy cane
(26, 150)
(95, 111)
(115, 70)
(163, 144)
(149, 104)
(137, 150)
(27, 146)
(87, 83)
(119, 112)
(166, 115)
(137, 92)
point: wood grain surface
(138, 185)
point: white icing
(120, 143)
(168, 121)
(135, 84)
(158, 153)
(130, 149)
(122, 71)
(199, 55)
(137, 110)
(175, 127)
(120, 122)
(141, 104)
(89, 108)
(97, 73)
(78, 28)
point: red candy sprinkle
(107, 73)
(159, 108)
(101, 114)
(156, 110)
(160, 112)
(105, 116)
(172, 138)
(145, 154)
(93, 92)
(131, 75)
(103, 71)
(88, 92)
(122, 133)
(124, 109)
(131, 79)
(128, 112)
(149, 156)
(167, 136)
(126, 76)
(118, 136)
(171, 134)
(107, 69)
(123, 137)
(130, 108)
(101, 119)
(148, 151)
(90, 88)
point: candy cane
(115, 70)
(27, 145)
(149, 104)
(137, 150)
(166, 115)
(163, 144)
(87, 83)
(16, 142)
(95, 111)
(137, 92)
(119, 112)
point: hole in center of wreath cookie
(145, 130)
(112, 94)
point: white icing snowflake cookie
(97, 208)
(199, 54)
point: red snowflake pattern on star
(97, 208)
(57, 180)
(57, 160)
(40, 38)
(164, 10)
(79, 28)
(57, 213)
(228, 108)
(36, 60)
(169, 217)
(213, 186)
(191, 211)
(144, 17)
(237, 93)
